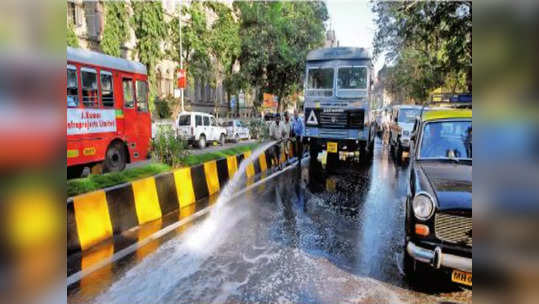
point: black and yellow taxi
(438, 225)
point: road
(316, 238)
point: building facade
(88, 20)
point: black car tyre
(115, 158)
(202, 142)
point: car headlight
(423, 206)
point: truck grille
(333, 119)
(356, 119)
(453, 228)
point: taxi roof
(447, 114)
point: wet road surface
(324, 237)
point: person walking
(297, 132)
(277, 132)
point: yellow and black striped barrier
(97, 216)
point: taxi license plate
(461, 277)
(332, 147)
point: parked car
(199, 128)
(438, 225)
(402, 122)
(236, 130)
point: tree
(71, 37)
(429, 44)
(150, 31)
(276, 37)
(116, 31)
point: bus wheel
(202, 142)
(115, 158)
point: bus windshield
(352, 78)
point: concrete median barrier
(97, 216)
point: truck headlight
(423, 206)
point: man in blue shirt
(297, 130)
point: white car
(199, 128)
(236, 130)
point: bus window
(72, 87)
(89, 87)
(206, 121)
(107, 93)
(129, 100)
(198, 120)
(142, 96)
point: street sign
(182, 79)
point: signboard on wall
(182, 78)
(87, 121)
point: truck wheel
(202, 142)
(115, 158)
(222, 139)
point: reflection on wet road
(329, 237)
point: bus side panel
(85, 149)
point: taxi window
(449, 139)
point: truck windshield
(444, 140)
(320, 79)
(185, 120)
(408, 115)
(352, 78)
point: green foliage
(429, 44)
(196, 159)
(167, 148)
(71, 38)
(116, 31)
(258, 128)
(95, 182)
(150, 30)
(276, 37)
(163, 106)
(202, 42)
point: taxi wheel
(115, 158)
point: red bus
(108, 119)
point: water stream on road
(197, 240)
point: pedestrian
(297, 131)
(277, 132)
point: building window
(93, 18)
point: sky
(353, 22)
